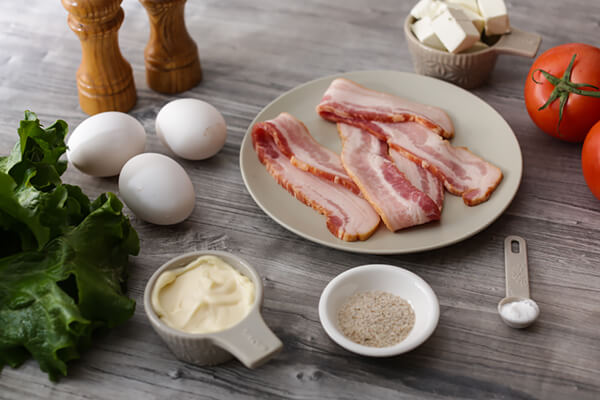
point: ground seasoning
(376, 319)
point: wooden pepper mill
(172, 62)
(104, 78)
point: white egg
(157, 189)
(103, 143)
(191, 128)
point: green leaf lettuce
(63, 258)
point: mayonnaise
(207, 295)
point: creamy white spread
(207, 295)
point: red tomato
(590, 159)
(580, 112)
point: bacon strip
(349, 217)
(462, 172)
(421, 178)
(391, 194)
(345, 99)
(296, 143)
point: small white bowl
(387, 278)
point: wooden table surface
(251, 52)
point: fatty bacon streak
(420, 177)
(462, 172)
(296, 143)
(348, 100)
(349, 216)
(397, 201)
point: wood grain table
(251, 52)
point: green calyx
(563, 87)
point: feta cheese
(421, 9)
(424, 32)
(477, 46)
(466, 4)
(474, 17)
(455, 30)
(427, 8)
(495, 16)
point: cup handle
(519, 43)
(251, 341)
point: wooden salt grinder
(104, 78)
(172, 62)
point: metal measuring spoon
(517, 309)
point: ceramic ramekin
(468, 70)
(387, 278)
(250, 341)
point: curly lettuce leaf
(39, 150)
(36, 315)
(34, 204)
(65, 258)
(52, 300)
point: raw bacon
(421, 178)
(345, 99)
(462, 172)
(296, 143)
(349, 217)
(398, 203)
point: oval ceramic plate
(478, 127)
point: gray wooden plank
(251, 52)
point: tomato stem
(563, 87)
(578, 85)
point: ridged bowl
(468, 70)
(250, 340)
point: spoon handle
(515, 263)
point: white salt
(520, 312)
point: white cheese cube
(495, 16)
(477, 46)
(466, 4)
(474, 17)
(437, 9)
(455, 30)
(427, 8)
(424, 32)
(421, 9)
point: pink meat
(398, 203)
(296, 143)
(345, 99)
(421, 178)
(462, 172)
(349, 216)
